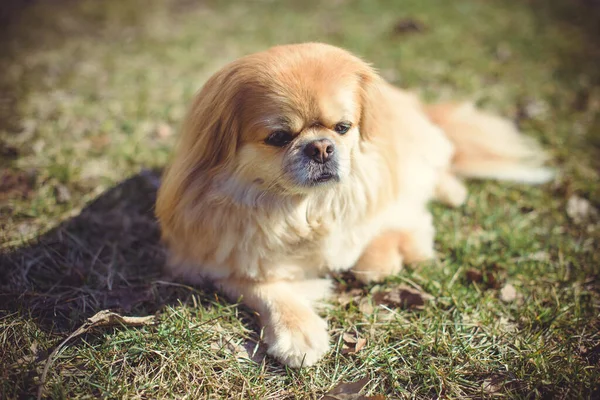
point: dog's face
(283, 121)
(299, 135)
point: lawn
(91, 95)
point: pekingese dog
(300, 161)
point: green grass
(91, 92)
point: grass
(92, 93)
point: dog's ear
(211, 129)
(372, 104)
(208, 142)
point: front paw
(297, 339)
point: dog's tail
(488, 146)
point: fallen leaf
(352, 343)
(100, 319)
(349, 296)
(408, 25)
(580, 210)
(238, 350)
(350, 391)
(491, 281)
(402, 296)
(246, 350)
(488, 278)
(508, 293)
(366, 306)
(491, 386)
(349, 338)
(360, 344)
(109, 318)
(474, 275)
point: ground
(91, 97)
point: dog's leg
(416, 244)
(293, 331)
(380, 259)
(450, 190)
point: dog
(300, 161)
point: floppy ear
(210, 132)
(372, 104)
(208, 142)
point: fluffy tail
(488, 146)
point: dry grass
(92, 92)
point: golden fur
(249, 216)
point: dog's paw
(297, 340)
(451, 191)
(380, 259)
(457, 196)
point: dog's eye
(279, 138)
(342, 127)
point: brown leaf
(349, 338)
(352, 343)
(474, 275)
(402, 296)
(491, 386)
(109, 318)
(100, 319)
(508, 293)
(238, 350)
(350, 391)
(360, 344)
(488, 278)
(349, 296)
(365, 306)
(408, 25)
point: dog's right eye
(279, 138)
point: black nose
(320, 150)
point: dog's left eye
(342, 127)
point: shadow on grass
(107, 257)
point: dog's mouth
(325, 177)
(309, 174)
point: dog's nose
(320, 150)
